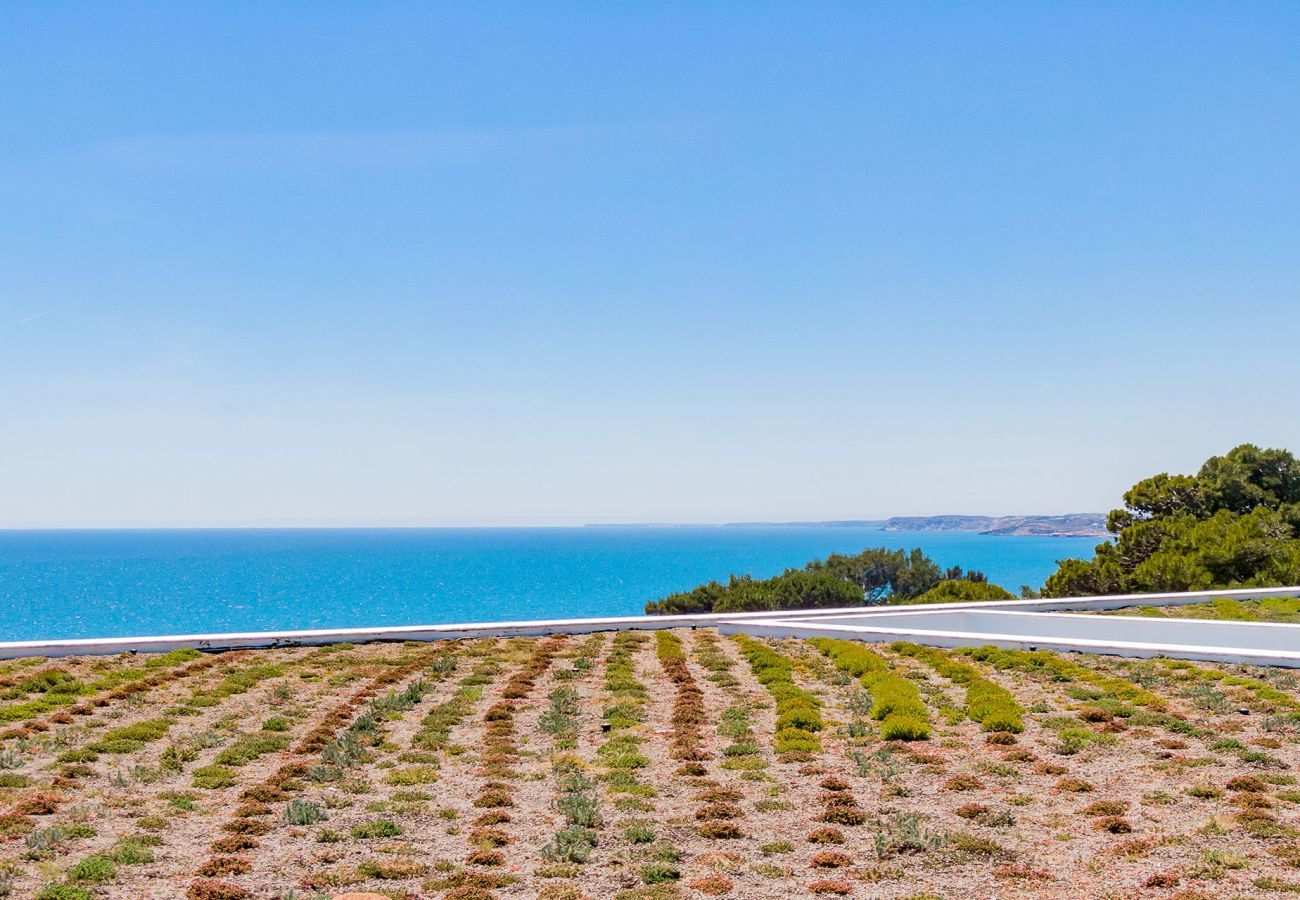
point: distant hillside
(1072, 525)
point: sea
(81, 584)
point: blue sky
(399, 263)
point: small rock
(1245, 710)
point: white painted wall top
(970, 623)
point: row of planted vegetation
(645, 766)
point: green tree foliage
(873, 576)
(962, 590)
(1233, 524)
(881, 573)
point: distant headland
(1070, 525)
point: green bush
(806, 718)
(131, 738)
(213, 777)
(659, 873)
(639, 833)
(962, 590)
(304, 812)
(131, 851)
(93, 869)
(572, 844)
(902, 727)
(379, 828)
(64, 892)
(250, 747)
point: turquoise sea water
(61, 584)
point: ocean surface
(65, 584)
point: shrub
(1113, 824)
(64, 892)
(94, 869)
(37, 805)
(207, 889)
(639, 833)
(391, 870)
(1073, 786)
(719, 830)
(904, 728)
(796, 740)
(304, 812)
(489, 838)
(133, 851)
(412, 775)
(250, 747)
(225, 865)
(892, 694)
(131, 738)
(963, 783)
(247, 826)
(970, 843)
(572, 844)
(843, 815)
(233, 843)
(718, 795)
(831, 860)
(1249, 783)
(213, 777)
(659, 873)
(713, 884)
(493, 798)
(377, 828)
(825, 836)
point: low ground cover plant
(798, 716)
(988, 703)
(895, 701)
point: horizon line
(738, 523)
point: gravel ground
(1099, 796)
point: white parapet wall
(914, 622)
(1256, 643)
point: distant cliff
(1072, 525)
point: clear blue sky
(401, 263)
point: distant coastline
(1069, 525)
